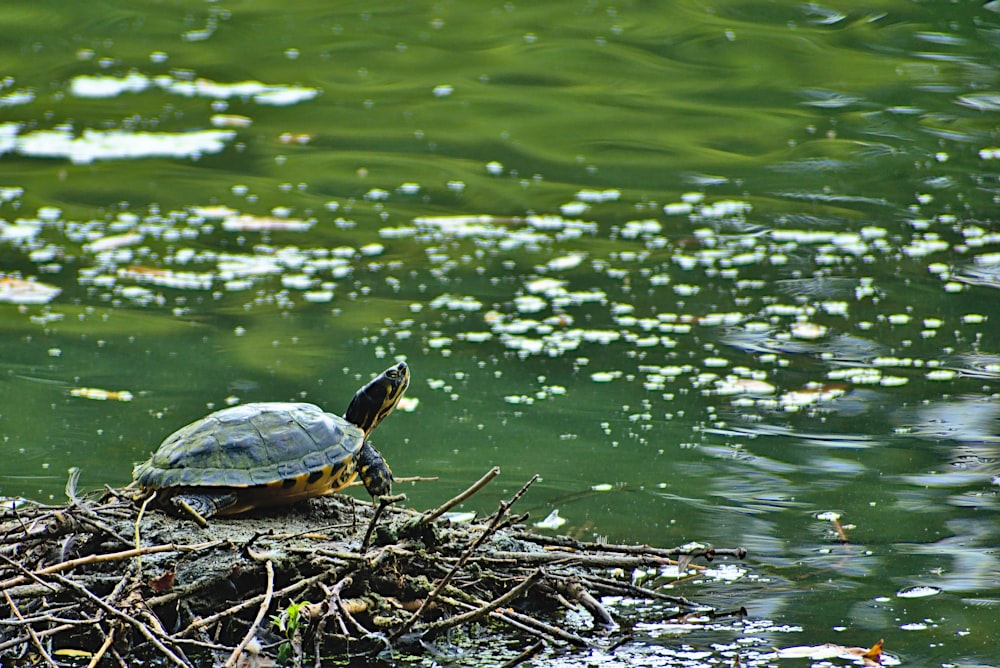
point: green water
(740, 269)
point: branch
(432, 515)
(672, 553)
(494, 524)
(265, 604)
(383, 501)
(143, 628)
(31, 632)
(114, 556)
(243, 605)
(484, 610)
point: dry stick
(345, 614)
(321, 625)
(202, 633)
(483, 610)
(548, 629)
(90, 518)
(416, 478)
(575, 590)
(617, 588)
(500, 514)
(598, 560)
(671, 553)
(265, 604)
(383, 501)
(530, 625)
(108, 639)
(143, 628)
(114, 556)
(138, 518)
(529, 653)
(523, 628)
(184, 591)
(26, 572)
(31, 632)
(432, 515)
(44, 633)
(205, 621)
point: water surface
(714, 270)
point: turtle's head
(377, 399)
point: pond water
(718, 271)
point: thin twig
(416, 478)
(672, 553)
(138, 518)
(498, 517)
(345, 614)
(529, 653)
(548, 629)
(432, 515)
(383, 501)
(108, 639)
(332, 598)
(577, 558)
(618, 588)
(31, 632)
(114, 556)
(249, 603)
(483, 610)
(265, 604)
(44, 633)
(26, 572)
(143, 628)
(505, 506)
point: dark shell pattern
(253, 444)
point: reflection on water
(713, 272)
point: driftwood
(109, 582)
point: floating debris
(918, 592)
(408, 404)
(181, 280)
(565, 262)
(574, 209)
(18, 291)
(120, 145)
(113, 242)
(551, 521)
(230, 121)
(808, 330)
(867, 657)
(101, 395)
(598, 196)
(454, 303)
(261, 93)
(248, 223)
(318, 296)
(214, 212)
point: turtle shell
(279, 452)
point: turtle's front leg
(375, 473)
(202, 505)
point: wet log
(112, 581)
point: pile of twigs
(106, 580)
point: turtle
(273, 453)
